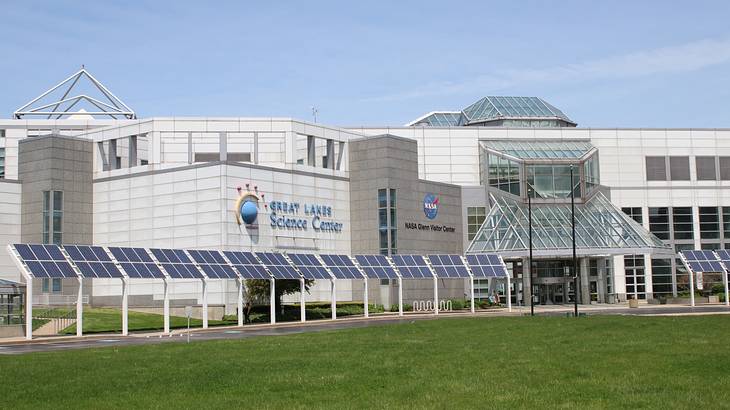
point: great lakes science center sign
(288, 215)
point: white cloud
(681, 58)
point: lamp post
(529, 234)
(575, 260)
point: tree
(259, 290)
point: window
(475, 216)
(45, 285)
(590, 170)
(659, 222)
(679, 168)
(2, 162)
(709, 222)
(726, 222)
(552, 181)
(387, 222)
(634, 213)
(635, 276)
(52, 217)
(724, 168)
(706, 168)
(504, 174)
(656, 169)
(56, 285)
(682, 221)
(661, 276)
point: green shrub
(717, 289)
(458, 304)
(406, 307)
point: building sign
(430, 227)
(247, 206)
(431, 206)
(293, 215)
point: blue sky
(605, 64)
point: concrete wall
(56, 163)
(10, 228)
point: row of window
(677, 168)
(387, 223)
(53, 217)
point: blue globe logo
(430, 206)
(249, 212)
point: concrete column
(526, 290)
(112, 159)
(132, 154)
(584, 281)
(311, 151)
(602, 297)
(648, 282)
(255, 158)
(223, 145)
(331, 154)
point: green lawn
(104, 320)
(541, 362)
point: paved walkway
(45, 344)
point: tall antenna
(315, 111)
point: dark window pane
(679, 168)
(656, 169)
(705, 168)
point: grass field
(541, 362)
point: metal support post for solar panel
(302, 307)
(205, 303)
(80, 309)
(471, 292)
(724, 282)
(365, 298)
(400, 296)
(333, 290)
(240, 301)
(435, 295)
(166, 306)
(691, 287)
(272, 300)
(29, 307)
(125, 307)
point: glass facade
(552, 181)
(504, 174)
(709, 222)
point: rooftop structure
(499, 111)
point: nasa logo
(430, 205)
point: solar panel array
(703, 261)
(177, 264)
(341, 266)
(136, 263)
(486, 266)
(309, 266)
(412, 266)
(278, 265)
(45, 261)
(376, 266)
(92, 261)
(213, 264)
(448, 266)
(247, 265)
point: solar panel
(724, 256)
(486, 266)
(177, 264)
(309, 266)
(448, 266)
(213, 264)
(92, 261)
(412, 266)
(45, 261)
(702, 261)
(376, 266)
(247, 265)
(278, 265)
(136, 263)
(341, 266)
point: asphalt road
(51, 344)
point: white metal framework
(105, 104)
